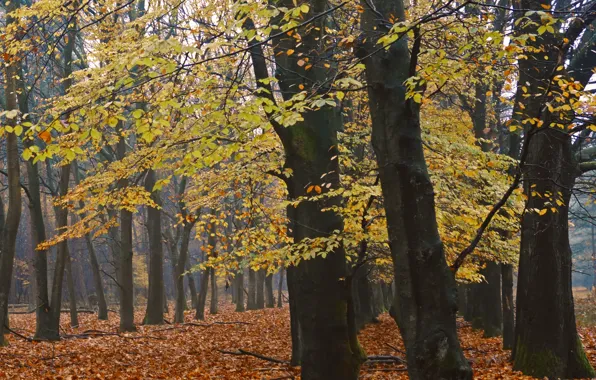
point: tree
(13, 215)
(425, 285)
(545, 299)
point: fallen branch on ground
(259, 356)
(17, 334)
(385, 359)
(215, 323)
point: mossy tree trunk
(546, 342)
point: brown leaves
(193, 350)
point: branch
(587, 166)
(259, 356)
(17, 334)
(22, 186)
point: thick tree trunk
(155, 293)
(427, 297)
(269, 299)
(546, 339)
(310, 146)
(260, 289)
(546, 343)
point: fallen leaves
(222, 347)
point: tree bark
(281, 284)
(214, 298)
(155, 294)
(260, 289)
(239, 283)
(202, 298)
(310, 147)
(125, 269)
(427, 297)
(252, 290)
(102, 313)
(507, 299)
(270, 300)
(72, 297)
(546, 342)
(13, 216)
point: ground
(194, 351)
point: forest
(298, 189)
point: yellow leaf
(290, 52)
(310, 189)
(318, 189)
(545, 6)
(542, 212)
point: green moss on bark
(538, 364)
(581, 366)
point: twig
(17, 334)
(215, 323)
(385, 359)
(262, 357)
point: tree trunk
(102, 313)
(155, 293)
(294, 321)
(260, 289)
(546, 343)
(252, 290)
(363, 297)
(62, 258)
(192, 286)
(180, 269)
(281, 285)
(270, 300)
(125, 269)
(507, 299)
(11, 225)
(487, 299)
(202, 298)
(427, 297)
(214, 298)
(239, 283)
(310, 147)
(72, 298)
(546, 339)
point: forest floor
(195, 350)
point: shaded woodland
(298, 189)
